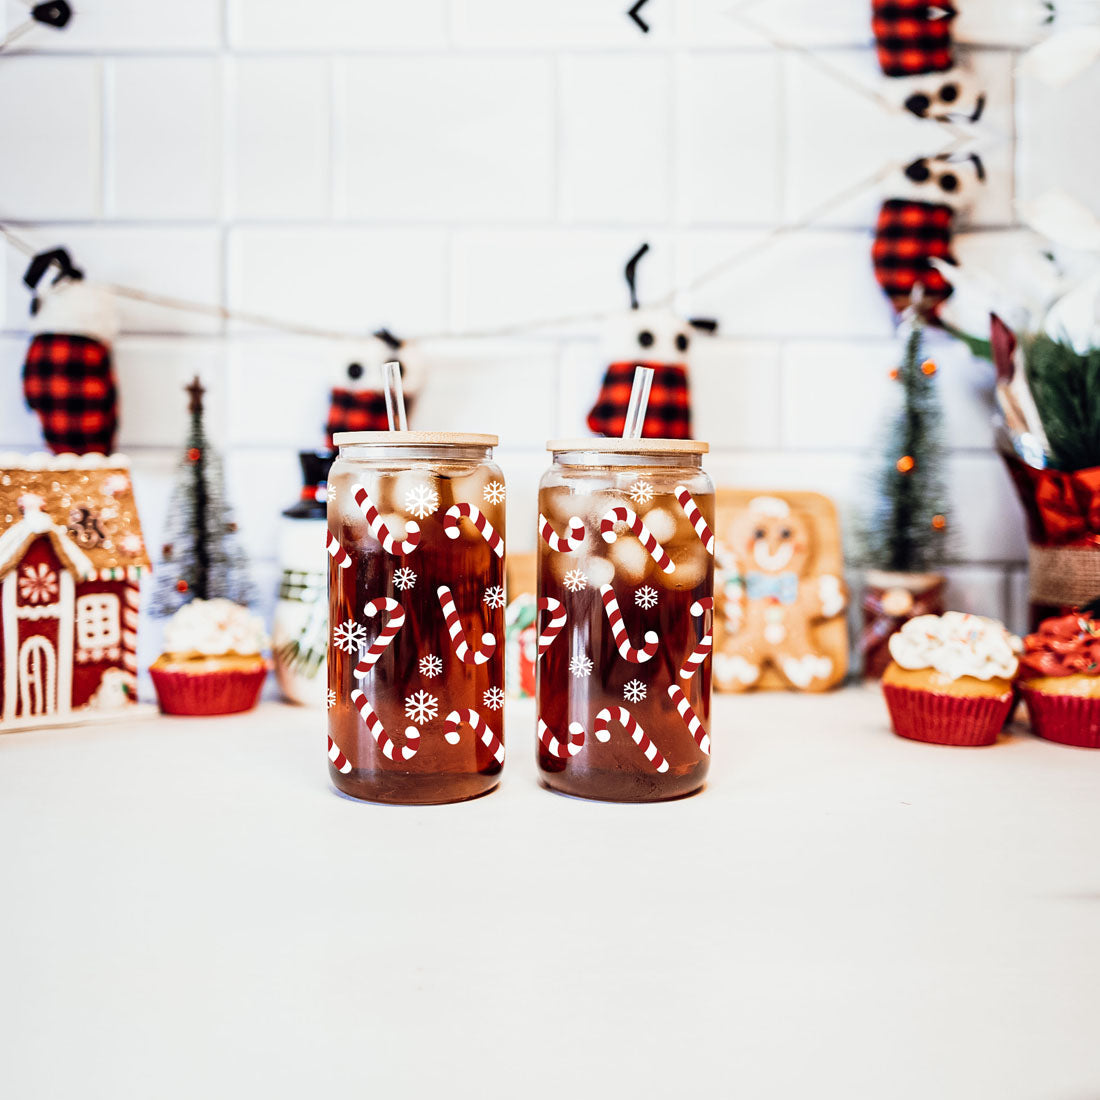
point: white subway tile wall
(441, 165)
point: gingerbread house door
(38, 643)
(37, 677)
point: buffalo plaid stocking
(668, 414)
(69, 383)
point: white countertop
(189, 911)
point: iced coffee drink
(416, 613)
(626, 578)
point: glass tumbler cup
(416, 611)
(625, 590)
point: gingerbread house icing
(72, 558)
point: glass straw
(395, 396)
(639, 399)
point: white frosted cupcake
(213, 661)
(950, 680)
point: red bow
(1061, 507)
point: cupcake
(212, 662)
(950, 680)
(1060, 680)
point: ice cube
(662, 522)
(630, 559)
(600, 571)
(691, 566)
(413, 493)
(397, 524)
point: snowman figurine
(916, 224)
(68, 378)
(357, 402)
(654, 338)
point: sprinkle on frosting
(956, 645)
(1066, 646)
(214, 628)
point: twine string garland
(57, 13)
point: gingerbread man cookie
(771, 600)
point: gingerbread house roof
(83, 503)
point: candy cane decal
(484, 527)
(380, 531)
(691, 719)
(343, 764)
(392, 625)
(623, 514)
(553, 627)
(637, 734)
(570, 542)
(572, 745)
(695, 517)
(336, 551)
(467, 656)
(699, 654)
(480, 727)
(618, 631)
(381, 738)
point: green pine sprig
(1066, 387)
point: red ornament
(905, 464)
(194, 454)
(928, 367)
(939, 522)
(181, 585)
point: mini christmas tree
(202, 557)
(907, 526)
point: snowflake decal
(430, 666)
(575, 580)
(494, 698)
(349, 636)
(494, 492)
(421, 500)
(580, 666)
(420, 707)
(38, 585)
(646, 597)
(494, 597)
(404, 579)
(634, 691)
(330, 699)
(641, 492)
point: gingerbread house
(71, 561)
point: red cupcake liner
(218, 691)
(940, 719)
(1067, 719)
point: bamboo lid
(614, 445)
(404, 439)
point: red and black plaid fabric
(907, 236)
(68, 382)
(358, 411)
(668, 414)
(913, 36)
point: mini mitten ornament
(360, 406)
(915, 226)
(654, 338)
(67, 375)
